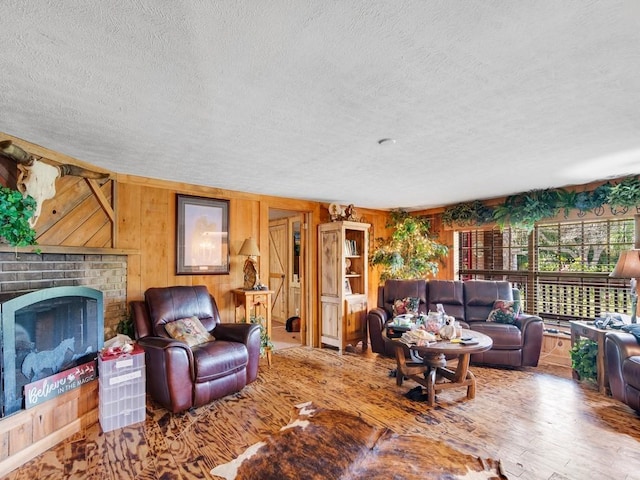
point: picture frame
(347, 287)
(202, 236)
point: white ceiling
(290, 97)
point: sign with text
(54, 385)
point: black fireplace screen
(45, 332)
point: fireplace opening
(45, 332)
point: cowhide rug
(326, 444)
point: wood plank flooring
(538, 421)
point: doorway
(287, 279)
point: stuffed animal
(448, 330)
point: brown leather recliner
(180, 377)
(622, 351)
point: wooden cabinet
(343, 258)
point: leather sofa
(622, 352)
(470, 303)
(179, 376)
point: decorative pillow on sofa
(189, 330)
(504, 311)
(406, 305)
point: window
(561, 268)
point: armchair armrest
(376, 321)
(173, 372)
(619, 346)
(532, 329)
(249, 335)
(236, 332)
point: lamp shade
(249, 248)
(628, 265)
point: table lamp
(250, 249)
(628, 266)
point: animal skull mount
(38, 178)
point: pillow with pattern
(189, 330)
(406, 305)
(504, 311)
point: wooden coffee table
(434, 374)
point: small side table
(580, 328)
(260, 302)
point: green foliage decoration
(15, 212)
(525, 209)
(125, 327)
(468, 214)
(409, 252)
(583, 359)
(625, 194)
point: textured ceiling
(290, 97)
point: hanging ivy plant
(15, 212)
(625, 195)
(525, 209)
(409, 252)
(468, 214)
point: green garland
(525, 209)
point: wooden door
(278, 268)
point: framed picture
(347, 287)
(202, 236)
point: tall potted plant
(409, 252)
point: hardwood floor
(538, 421)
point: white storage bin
(121, 389)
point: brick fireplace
(28, 272)
(27, 433)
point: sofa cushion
(218, 359)
(450, 294)
(479, 296)
(405, 305)
(395, 289)
(504, 336)
(503, 312)
(189, 330)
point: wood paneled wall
(146, 212)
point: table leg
(431, 382)
(434, 363)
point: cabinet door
(356, 313)
(331, 264)
(330, 320)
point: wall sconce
(250, 249)
(628, 266)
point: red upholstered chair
(180, 377)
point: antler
(15, 153)
(76, 171)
